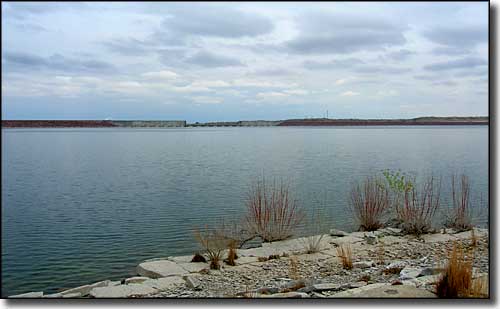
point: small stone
(193, 283)
(337, 233)
(363, 265)
(371, 239)
(326, 287)
(409, 273)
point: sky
(243, 61)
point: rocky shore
(386, 264)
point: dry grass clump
(369, 202)
(456, 282)
(344, 253)
(461, 215)
(271, 212)
(231, 254)
(262, 258)
(419, 207)
(293, 269)
(214, 243)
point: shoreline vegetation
(396, 250)
(251, 123)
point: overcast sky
(239, 61)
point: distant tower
(326, 114)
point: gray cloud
(464, 63)
(211, 60)
(334, 64)
(128, 46)
(449, 51)
(206, 20)
(461, 38)
(23, 61)
(382, 69)
(399, 55)
(448, 83)
(340, 34)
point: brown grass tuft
(456, 282)
(214, 243)
(345, 255)
(369, 202)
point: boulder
(161, 268)
(28, 295)
(358, 284)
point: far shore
(244, 123)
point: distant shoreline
(255, 123)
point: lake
(83, 205)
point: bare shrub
(369, 203)
(345, 255)
(461, 215)
(457, 279)
(271, 212)
(419, 207)
(214, 243)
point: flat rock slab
(164, 283)
(468, 234)
(258, 252)
(28, 295)
(242, 260)
(181, 259)
(123, 291)
(194, 267)
(162, 268)
(85, 289)
(136, 280)
(389, 240)
(382, 290)
(431, 238)
(285, 295)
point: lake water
(83, 205)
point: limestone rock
(122, 291)
(337, 233)
(431, 238)
(85, 289)
(326, 287)
(158, 269)
(382, 290)
(72, 295)
(28, 295)
(136, 280)
(192, 282)
(363, 264)
(164, 283)
(286, 295)
(194, 267)
(410, 273)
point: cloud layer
(231, 61)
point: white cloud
(388, 93)
(271, 95)
(349, 93)
(296, 92)
(207, 100)
(160, 75)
